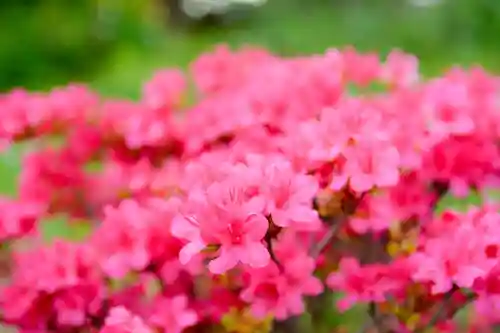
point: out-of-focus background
(116, 44)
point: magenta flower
(222, 216)
(173, 314)
(120, 320)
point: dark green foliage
(115, 44)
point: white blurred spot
(200, 8)
(425, 3)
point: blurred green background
(115, 44)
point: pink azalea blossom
(120, 320)
(173, 314)
(223, 216)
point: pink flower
(221, 300)
(173, 314)
(361, 69)
(487, 308)
(136, 235)
(120, 320)
(367, 283)
(223, 216)
(280, 292)
(211, 122)
(223, 69)
(350, 121)
(368, 165)
(289, 194)
(62, 280)
(448, 107)
(400, 69)
(51, 177)
(410, 198)
(18, 218)
(137, 125)
(165, 89)
(463, 161)
(162, 246)
(458, 249)
(122, 239)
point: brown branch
(97, 320)
(336, 224)
(270, 249)
(441, 313)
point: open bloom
(173, 314)
(289, 194)
(280, 291)
(223, 216)
(120, 320)
(368, 165)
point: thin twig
(336, 223)
(440, 313)
(372, 312)
(270, 249)
(330, 234)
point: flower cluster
(236, 196)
